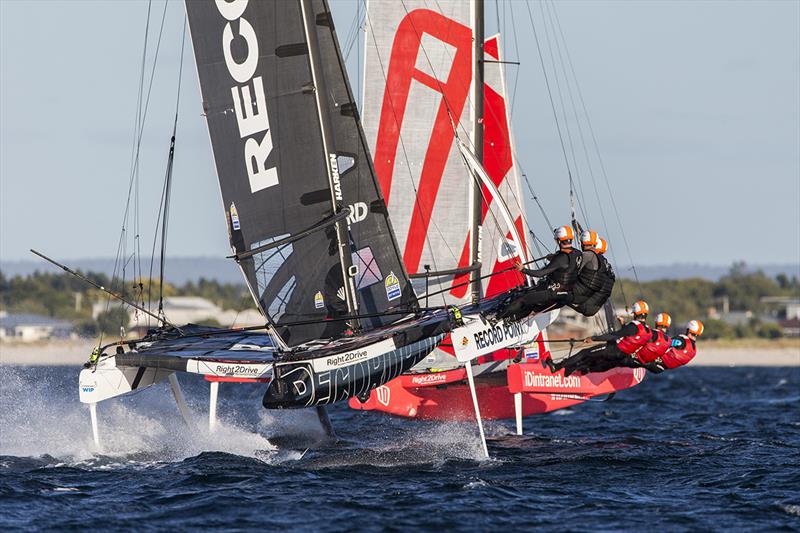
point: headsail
(418, 75)
(282, 205)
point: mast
(320, 91)
(477, 137)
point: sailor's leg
(525, 303)
(602, 360)
(582, 359)
(180, 400)
(518, 411)
(212, 405)
(93, 415)
(575, 358)
(325, 422)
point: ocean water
(695, 449)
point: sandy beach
(727, 354)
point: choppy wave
(697, 449)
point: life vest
(676, 356)
(589, 281)
(655, 348)
(593, 288)
(631, 344)
(564, 279)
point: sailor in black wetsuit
(596, 278)
(554, 289)
(619, 348)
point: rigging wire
(599, 158)
(551, 43)
(552, 105)
(164, 204)
(122, 260)
(570, 93)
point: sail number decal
(249, 102)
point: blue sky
(695, 106)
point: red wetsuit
(655, 348)
(632, 343)
(682, 350)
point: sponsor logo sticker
(235, 218)
(340, 360)
(428, 379)
(88, 387)
(384, 394)
(319, 301)
(392, 287)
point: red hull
(445, 395)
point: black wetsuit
(603, 357)
(554, 289)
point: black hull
(323, 381)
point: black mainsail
(303, 208)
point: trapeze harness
(593, 287)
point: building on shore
(786, 311)
(190, 310)
(18, 327)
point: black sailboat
(306, 221)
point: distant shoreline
(745, 352)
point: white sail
(417, 86)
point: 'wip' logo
(249, 102)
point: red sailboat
(428, 88)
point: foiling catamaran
(428, 84)
(308, 226)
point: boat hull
(326, 380)
(446, 396)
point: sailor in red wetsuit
(620, 346)
(659, 342)
(682, 349)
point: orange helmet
(663, 320)
(564, 234)
(695, 327)
(640, 308)
(602, 246)
(589, 238)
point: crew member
(596, 278)
(558, 277)
(619, 346)
(659, 342)
(682, 349)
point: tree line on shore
(63, 296)
(740, 290)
